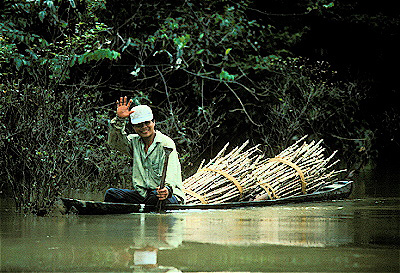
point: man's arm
(117, 137)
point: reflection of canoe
(338, 190)
(207, 257)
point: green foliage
(52, 131)
(224, 75)
(320, 5)
(307, 101)
(212, 71)
(205, 46)
(98, 54)
(58, 144)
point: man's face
(145, 129)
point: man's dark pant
(115, 195)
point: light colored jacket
(147, 167)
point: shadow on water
(356, 235)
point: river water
(360, 234)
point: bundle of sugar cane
(242, 175)
(299, 169)
(221, 180)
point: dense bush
(212, 72)
(52, 127)
(216, 74)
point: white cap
(142, 113)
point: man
(147, 153)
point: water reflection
(324, 224)
(352, 235)
(295, 226)
(98, 243)
(358, 235)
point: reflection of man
(145, 256)
(146, 149)
(150, 236)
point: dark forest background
(213, 72)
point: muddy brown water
(360, 234)
(349, 235)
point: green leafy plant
(51, 130)
(213, 71)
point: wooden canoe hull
(338, 190)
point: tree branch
(244, 109)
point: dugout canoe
(337, 190)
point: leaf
(227, 51)
(73, 59)
(329, 5)
(116, 54)
(135, 72)
(42, 14)
(50, 4)
(224, 75)
(72, 2)
(18, 63)
(97, 55)
(81, 58)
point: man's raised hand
(123, 107)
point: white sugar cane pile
(245, 174)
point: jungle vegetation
(214, 71)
